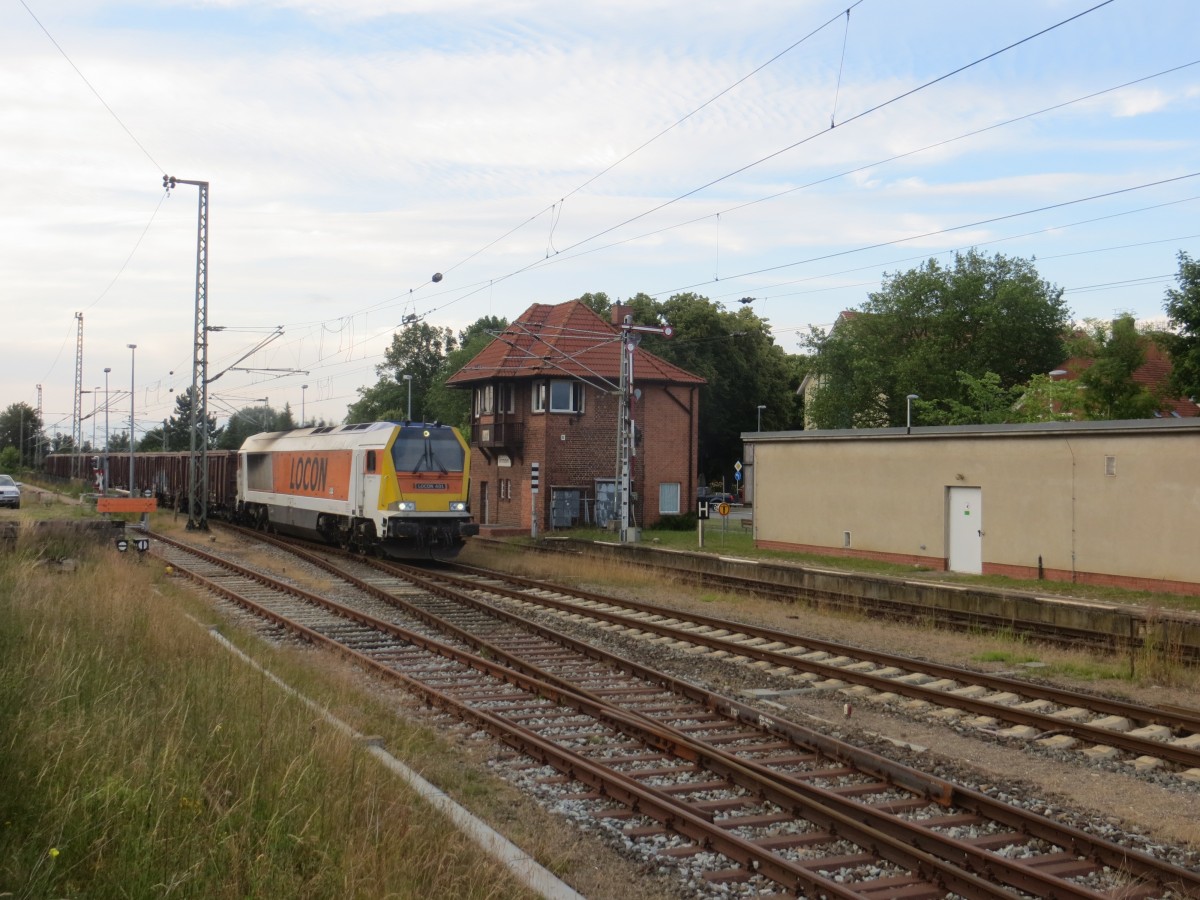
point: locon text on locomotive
(308, 473)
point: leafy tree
(118, 442)
(736, 353)
(21, 428)
(179, 428)
(928, 325)
(453, 405)
(987, 402)
(418, 351)
(252, 420)
(10, 460)
(1183, 314)
(1109, 389)
(597, 303)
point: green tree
(1109, 390)
(21, 428)
(928, 325)
(453, 405)
(1183, 314)
(597, 303)
(179, 428)
(988, 402)
(736, 353)
(250, 420)
(418, 350)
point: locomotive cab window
(427, 450)
(371, 461)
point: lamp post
(132, 361)
(408, 378)
(908, 412)
(303, 391)
(761, 407)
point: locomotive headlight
(458, 506)
(407, 506)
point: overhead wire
(471, 290)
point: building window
(539, 396)
(668, 498)
(1110, 465)
(484, 400)
(505, 401)
(566, 396)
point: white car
(10, 492)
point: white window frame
(665, 489)
(538, 397)
(575, 393)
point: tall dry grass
(138, 759)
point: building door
(965, 530)
(483, 504)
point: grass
(138, 759)
(735, 541)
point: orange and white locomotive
(401, 489)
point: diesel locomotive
(401, 489)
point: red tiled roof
(1152, 374)
(565, 340)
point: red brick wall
(575, 449)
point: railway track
(884, 603)
(774, 804)
(1056, 718)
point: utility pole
(627, 425)
(37, 452)
(198, 455)
(77, 406)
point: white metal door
(965, 529)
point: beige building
(1093, 502)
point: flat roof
(1024, 429)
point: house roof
(1152, 374)
(564, 340)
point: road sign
(702, 509)
(723, 509)
(737, 476)
(737, 466)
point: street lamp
(408, 378)
(908, 414)
(132, 359)
(760, 409)
(303, 391)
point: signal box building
(545, 393)
(1092, 502)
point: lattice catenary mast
(198, 456)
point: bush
(682, 522)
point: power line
(158, 169)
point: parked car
(10, 492)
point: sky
(796, 152)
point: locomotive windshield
(427, 449)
